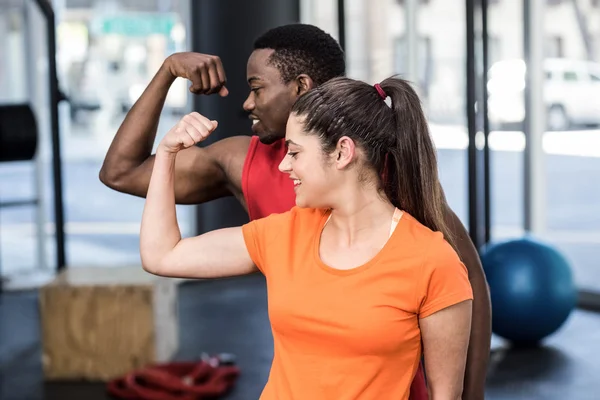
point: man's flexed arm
(199, 177)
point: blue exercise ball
(531, 287)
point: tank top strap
(395, 219)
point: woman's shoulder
(419, 231)
(298, 214)
(305, 212)
(424, 237)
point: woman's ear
(345, 152)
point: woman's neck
(361, 214)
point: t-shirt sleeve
(444, 280)
(260, 234)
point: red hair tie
(380, 91)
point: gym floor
(230, 316)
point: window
(554, 47)
(494, 49)
(425, 60)
(570, 76)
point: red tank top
(269, 191)
(266, 189)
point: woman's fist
(191, 129)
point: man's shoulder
(239, 147)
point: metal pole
(471, 123)
(487, 198)
(341, 18)
(535, 121)
(476, 99)
(55, 97)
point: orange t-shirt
(349, 334)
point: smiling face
(307, 166)
(270, 99)
(319, 178)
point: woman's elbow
(151, 267)
(151, 262)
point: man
(286, 63)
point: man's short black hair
(303, 49)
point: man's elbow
(109, 177)
(118, 180)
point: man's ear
(303, 84)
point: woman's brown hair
(395, 139)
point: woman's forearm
(159, 229)
(214, 254)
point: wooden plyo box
(100, 323)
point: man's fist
(206, 72)
(191, 129)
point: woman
(362, 278)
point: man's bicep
(445, 337)
(205, 173)
(230, 154)
(198, 177)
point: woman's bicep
(445, 337)
(215, 254)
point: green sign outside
(138, 25)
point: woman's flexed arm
(163, 251)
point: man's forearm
(134, 140)
(479, 344)
(481, 326)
